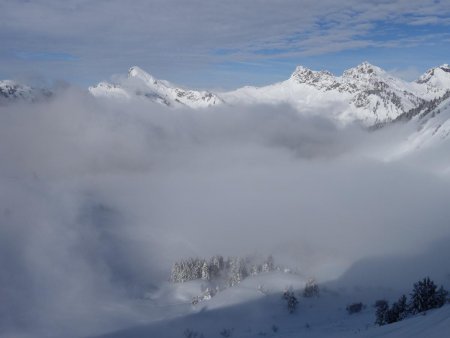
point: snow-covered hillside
(436, 79)
(255, 308)
(141, 84)
(427, 130)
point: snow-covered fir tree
(268, 264)
(382, 307)
(205, 271)
(238, 270)
(426, 296)
(398, 310)
(311, 288)
(291, 300)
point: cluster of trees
(291, 300)
(233, 269)
(311, 290)
(355, 308)
(425, 296)
(424, 108)
(206, 294)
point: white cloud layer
(98, 200)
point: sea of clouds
(99, 198)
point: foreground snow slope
(435, 324)
(255, 308)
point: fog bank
(98, 199)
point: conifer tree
(382, 307)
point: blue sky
(217, 44)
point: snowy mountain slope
(12, 91)
(429, 129)
(436, 324)
(364, 93)
(255, 307)
(436, 80)
(246, 311)
(141, 84)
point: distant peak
(365, 68)
(14, 84)
(445, 67)
(306, 75)
(135, 69)
(301, 69)
(365, 64)
(430, 73)
(137, 72)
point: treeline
(424, 296)
(423, 109)
(233, 269)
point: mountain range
(365, 93)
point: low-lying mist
(99, 198)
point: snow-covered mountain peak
(437, 76)
(12, 87)
(139, 73)
(11, 90)
(140, 84)
(312, 77)
(364, 70)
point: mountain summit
(436, 78)
(140, 84)
(13, 91)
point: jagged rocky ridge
(365, 93)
